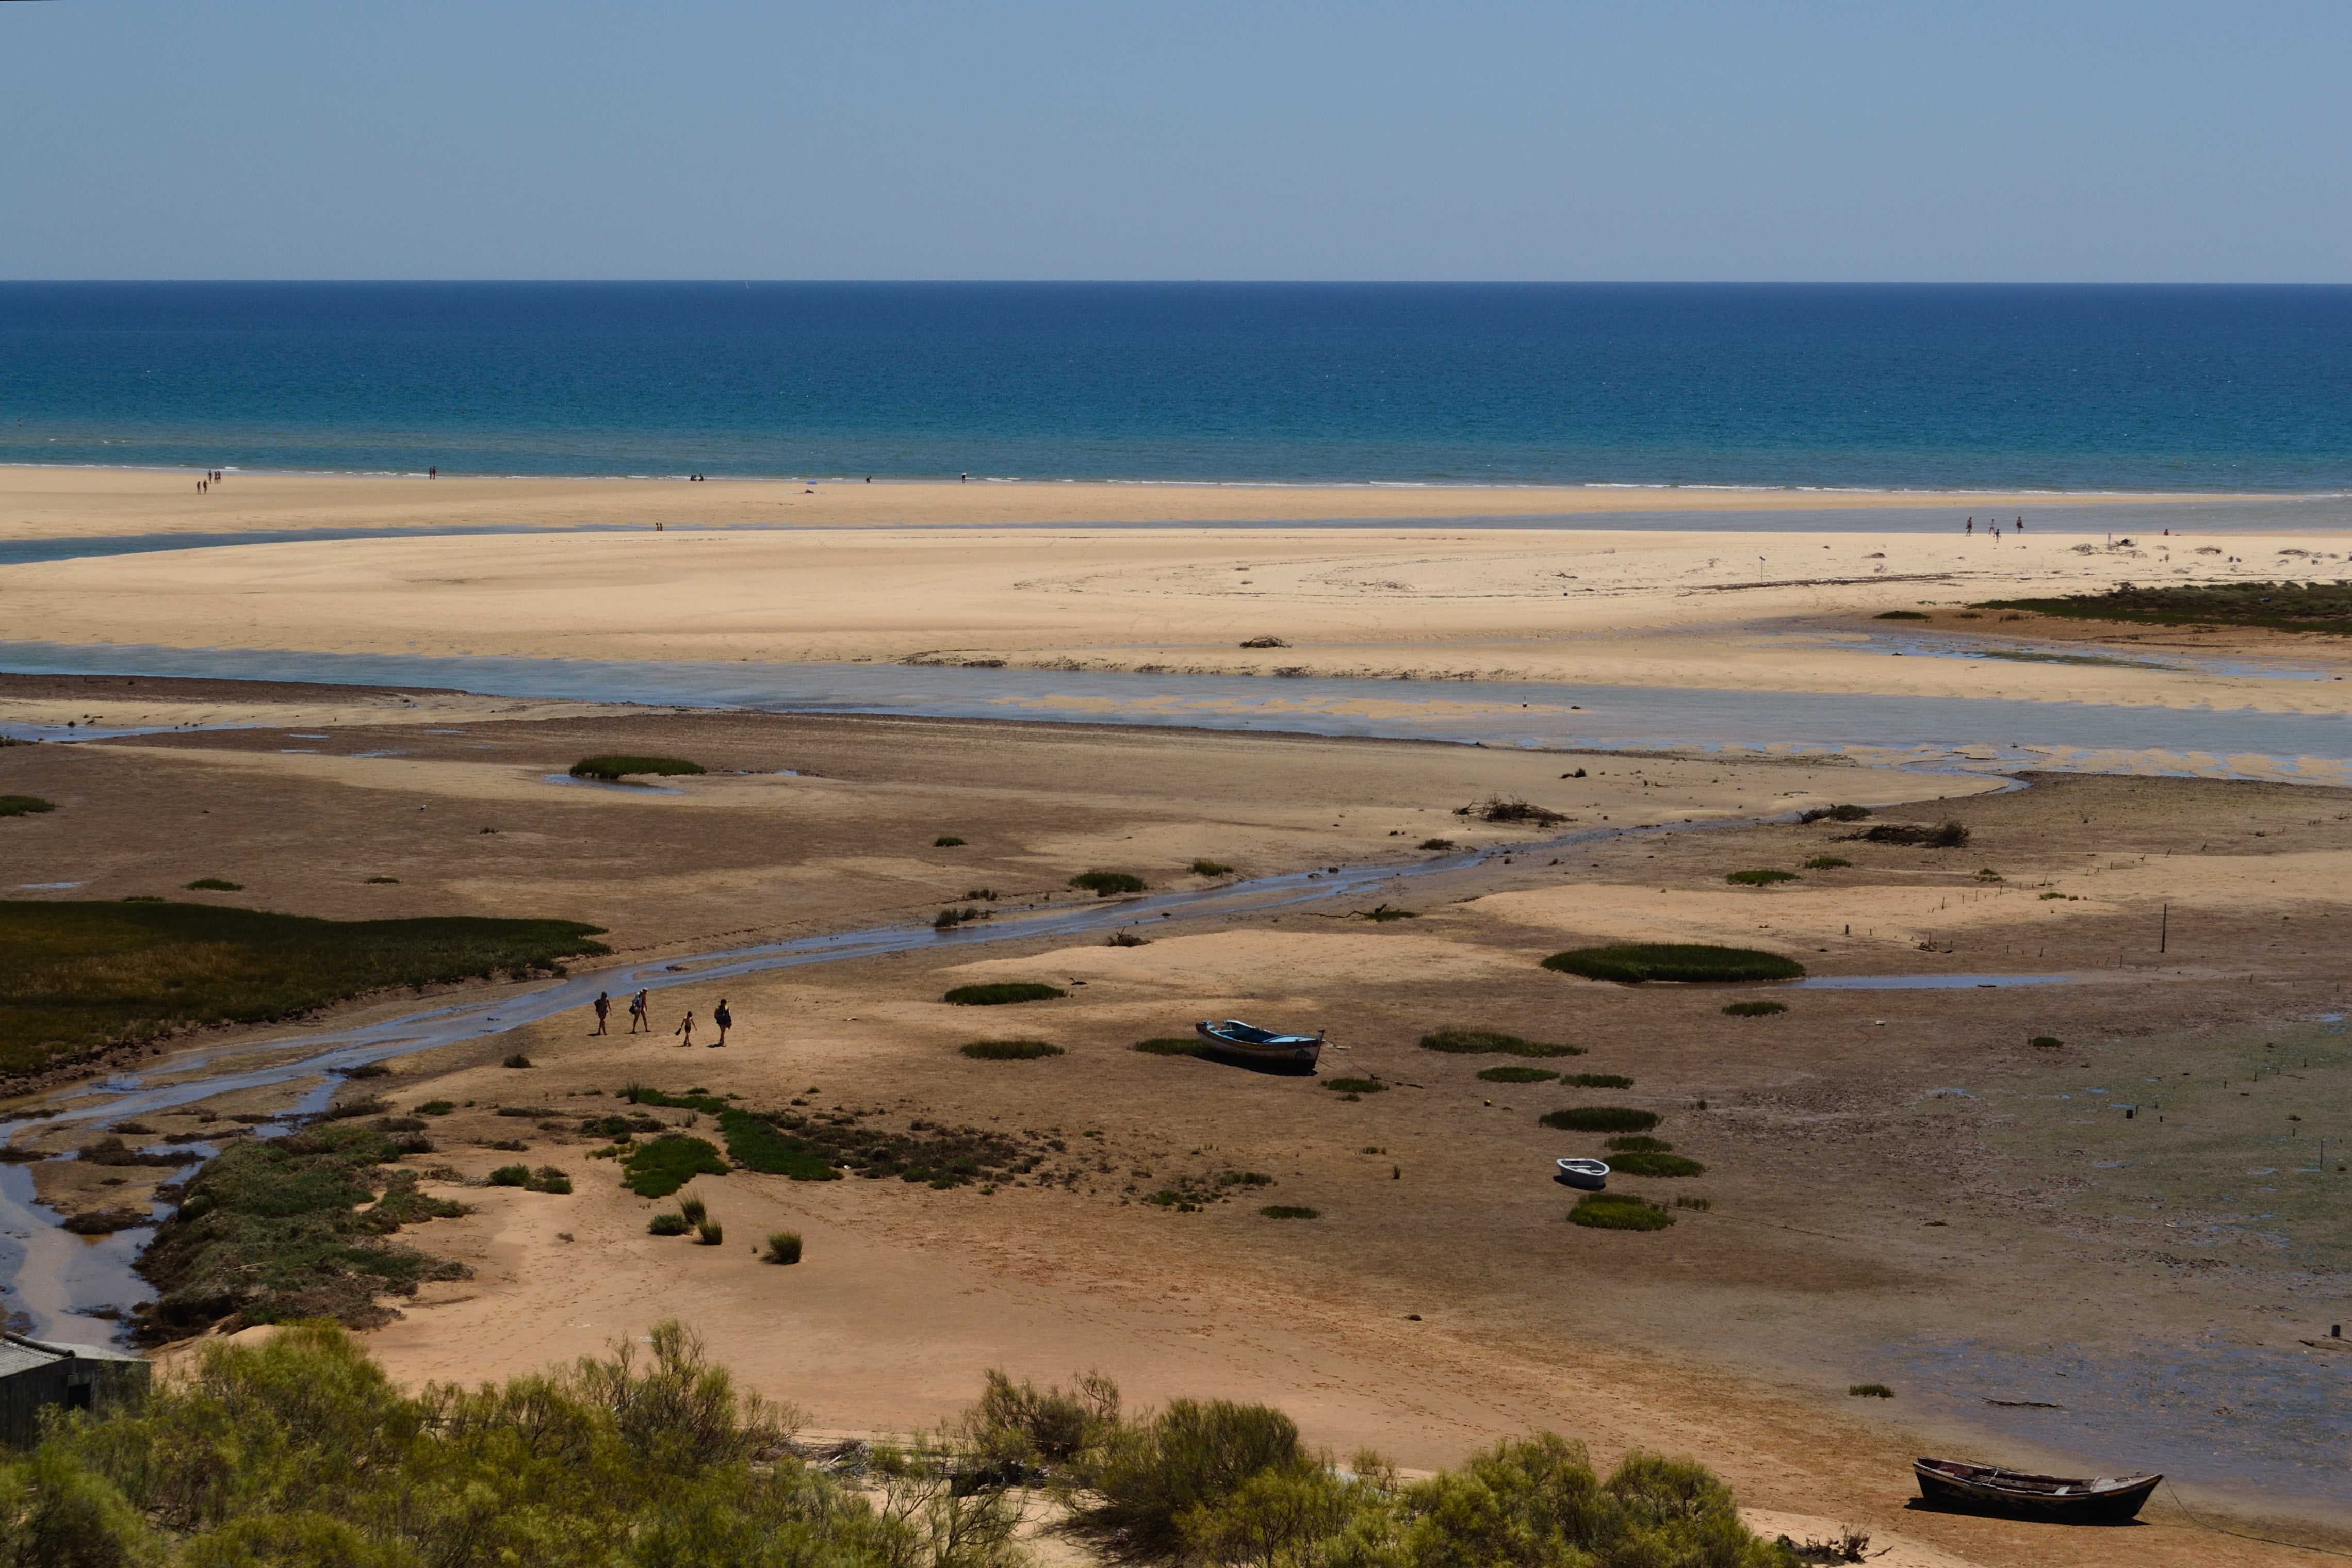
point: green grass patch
(1755, 1009)
(1170, 1046)
(2285, 607)
(947, 841)
(614, 769)
(1206, 867)
(76, 976)
(1517, 1075)
(784, 1246)
(1900, 616)
(1761, 877)
(1619, 1211)
(1871, 1391)
(656, 1169)
(2046, 1042)
(1492, 1042)
(282, 1228)
(1924, 836)
(709, 1233)
(1103, 884)
(1356, 1085)
(387, 881)
(1827, 863)
(1009, 1050)
(437, 1108)
(1642, 1162)
(1600, 1119)
(214, 885)
(827, 1146)
(1635, 962)
(1639, 1143)
(668, 1225)
(1290, 1211)
(1596, 1081)
(1002, 993)
(25, 806)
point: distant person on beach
(963, 478)
(724, 1019)
(433, 473)
(637, 1013)
(684, 1027)
(1972, 527)
(2021, 525)
(603, 1010)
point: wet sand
(1862, 1210)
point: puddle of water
(567, 779)
(1987, 733)
(1921, 981)
(45, 886)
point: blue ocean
(2064, 388)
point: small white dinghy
(1591, 1175)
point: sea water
(2232, 388)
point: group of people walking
(641, 1019)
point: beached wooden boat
(1245, 1043)
(2069, 1499)
(1591, 1175)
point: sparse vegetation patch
(1634, 963)
(1600, 1119)
(1619, 1211)
(1492, 1042)
(1009, 1050)
(1517, 1075)
(1642, 1162)
(1170, 1046)
(1936, 836)
(1290, 1211)
(1762, 876)
(1002, 993)
(25, 806)
(614, 769)
(1356, 1085)
(1755, 1009)
(1103, 884)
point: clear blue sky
(1648, 139)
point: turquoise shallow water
(1857, 386)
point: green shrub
(1002, 993)
(947, 919)
(1437, 844)
(1755, 1009)
(388, 881)
(1939, 836)
(549, 1179)
(1596, 1081)
(1634, 963)
(78, 975)
(25, 806)
(1510, 809)
(709, 1233)
(1517, 1075)
(1871, 1391)
(1492, 1042)
(1899, 615)
(1009, 1050)
(2047, 1042)
(1762, 876)
(1827, 863)
(1356, 1085)
(1103, 884)
(1026, 1425)
(612, 769)
(1834, 814)
(1147, 1476)
(656, 1169)
(437, 1108)
(1693, 1201)
(669, 1224)
(947, 841)
(517, 1060)
(1640, 1144)
(784, 1246)
(1169, 1047)
(1290, 1211)
(1635, 1162)
(694, 1210)
(511, 1176)
(1207, 867)
(214, 885)
(1619, 1211)
(1600, 1119)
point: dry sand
(1856, 1205)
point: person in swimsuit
(684, 1027)
(724, 1019)
(637, 1013)
(603, 1010)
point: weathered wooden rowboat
(1246, 1043)
(1591, 1175)
(2068, 1500)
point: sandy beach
(1902, 1188)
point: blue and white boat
(1246, 1043)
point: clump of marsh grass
(25, 806)
(1755, 1009)
(1834, 814)
(1870, 1391)
(1900, 616)
(1492, 1042)
(1937, 835)
(1002, 993)
(517, 1060)
(1639, 1143)
(1009, 1050)
(1600, 1119)
(784, 1246)
(1290, 1211)
(1761, 877)
(1355, 1085)
(947, 841)
(1265, 642)
(1103, 884)
(1827, 863)
(709, 1233)
(1693, 1201)
(1633, 964)
(1208, 867)
(948, 919)
(1169, 1045)
(668, 1225)
(614, 769)
(214, 885)
(1517, 1075)
(1126, 939)
(1637, 1163)
(1510, 809)
(1381, 914)
(694, 1210)
(437, 1108)
(1596, 1081)
(1437, 844)
(2046, 1042)
(1619, 1211)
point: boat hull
(1979, 1488)
(1587, 1178)
(1287, 1053)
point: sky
(2055, 140)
